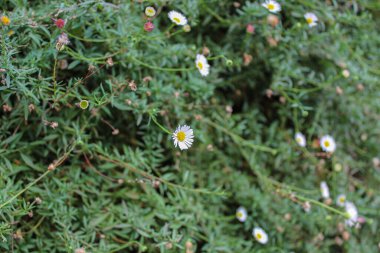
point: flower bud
(148, 26)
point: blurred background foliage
(117, 184)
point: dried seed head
(54, 125)
(80, 250)
(169, 245)
(273, 20)
(205, 51)
(198, 117)
(247, 59)
(18, 235)
(376, 162)
(38, 200)
(306, 206)
(132, 85)
(338, 90)
(115, 131)
(147, 79)
(346, 235)
(236, 4)
(7, 108)
(272, 42)
(328, 201)
(269, 93)
(338, 241)
(360, 87)
(156, 184)
(109, 62)
(51, 167)
(346, 73)
(282, 100)
(229, 109)
(62, 64)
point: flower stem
(159, 125)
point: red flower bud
(250, 29)
(148, 26)
(60, 23)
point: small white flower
(352, 212)
(150, 11)
(272, 6)
(177, 18)
(241, 214)
(325, 190)
(260, 235)
(328, 143)
(183, 137)
(311, 19)
(341, 200)
(202, 65)
(300, 139)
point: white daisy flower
(311, 19)
(260, 235)
(328, 143)
(202, 65)
(177, 18)
(325, 190)
(272, 6)
(352, 211)
(341, 200)
(183, 137)
(300, 139)
(150, 11)
(241, 214)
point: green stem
(323, 206)
(240, 140)
(55, 74)
(160, 68)
(159, 125)
(59, 162)
(25, 189)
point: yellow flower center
(259, 236)
(309, 20)
(181, 136)
(341, 199)
(177, 20)
(5, 20)
(83, 104)
(200, 65)
(239, 214)
(298, 139)
(327, 144)
(271, 7)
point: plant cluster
(189, 126)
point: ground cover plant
(190, 126)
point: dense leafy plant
(91, 91)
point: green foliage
(108, 179)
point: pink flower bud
(250, 29)
(148, 26)
(60, 23)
